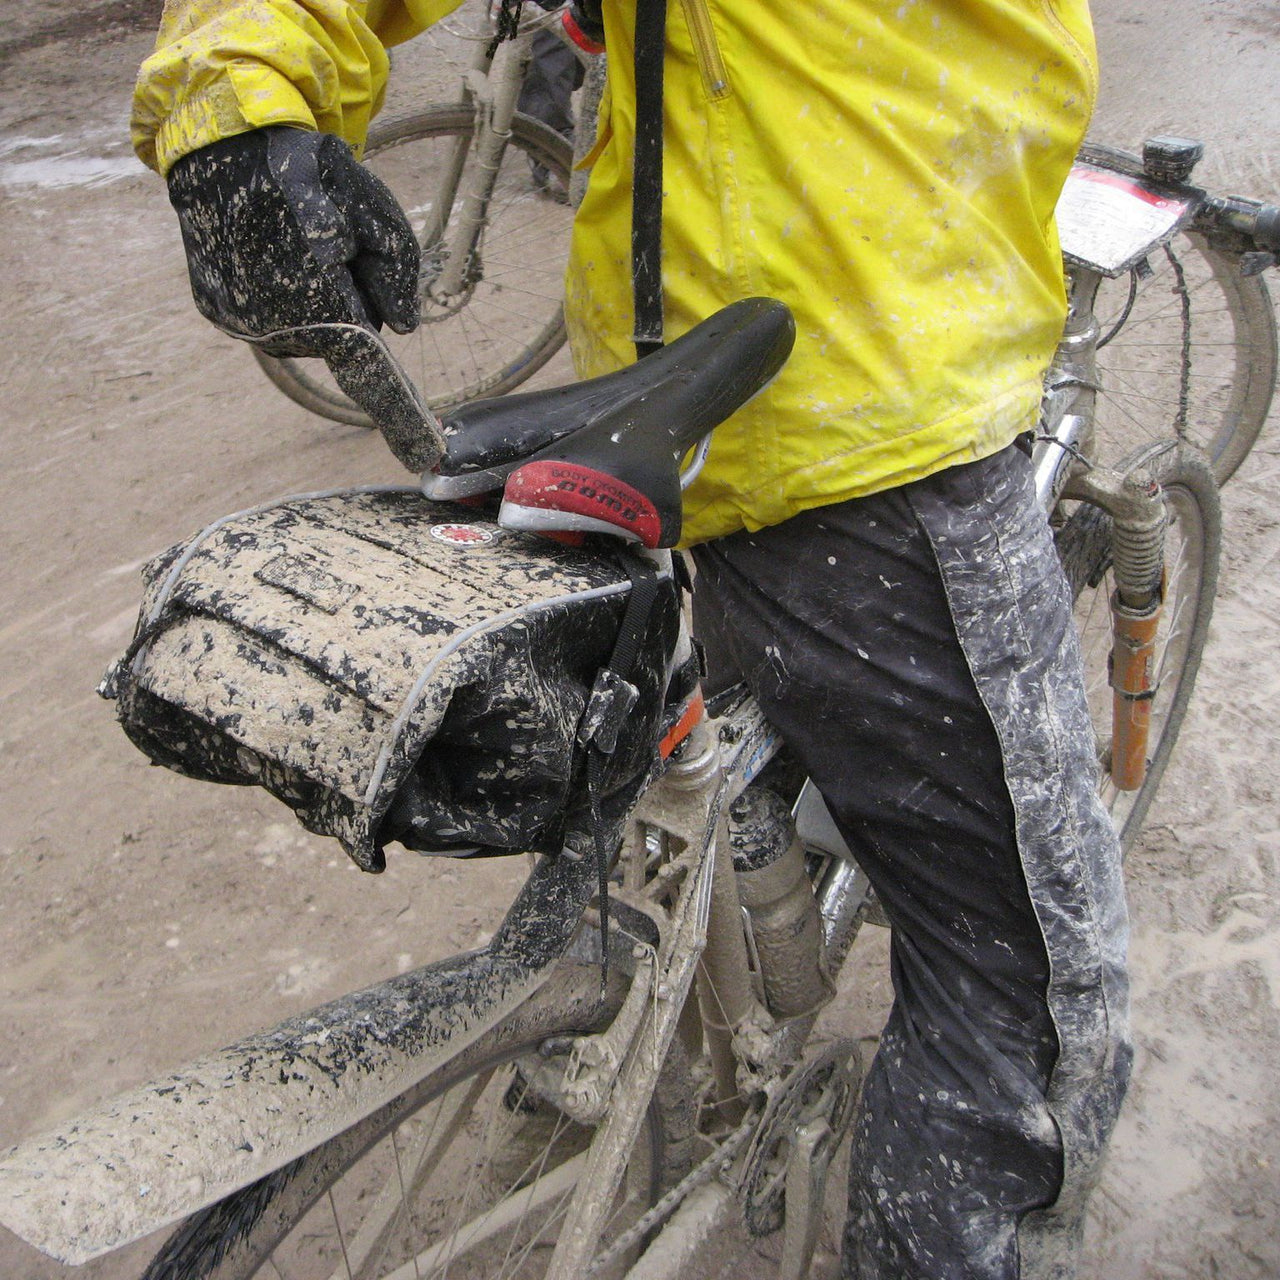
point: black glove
(285, 231)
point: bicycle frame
(701, 932)
(492, 85)
(165, 1151)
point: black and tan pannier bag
(395, 669)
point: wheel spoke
(493, 1222)
(1195, 351)
(398, 1193)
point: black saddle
(604, 455)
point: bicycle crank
(785, 1172)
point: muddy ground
(147, 918)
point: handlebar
(1257, 223)
(1248, 225)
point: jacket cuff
(249, 97)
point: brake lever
(369, 373)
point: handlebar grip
(1267, 229)
(1257, 223)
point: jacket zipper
(715, 79)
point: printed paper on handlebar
(1109, 221)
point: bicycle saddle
(604, 455)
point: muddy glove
(293, 245)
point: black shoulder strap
(646, 181)
(610, 703)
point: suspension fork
(1138, 518)
(492, 86)
(1138, 524)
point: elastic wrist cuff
(218, 112)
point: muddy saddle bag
(399, 670)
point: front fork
(1138, 520)
(1137, 513)
(494, 93)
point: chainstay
(666, 1205)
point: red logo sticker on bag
(461, 535)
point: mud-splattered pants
(916, 650)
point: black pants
(554, 73)
(915, 649)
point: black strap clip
(607, 710)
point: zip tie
(1067, 448)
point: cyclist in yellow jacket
(869, 551)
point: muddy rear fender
(154, 1156)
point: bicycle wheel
(508, 320)
(1192, 547)
(466, 1175)
(1188, 349)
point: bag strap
(612, 698)
(646, 180)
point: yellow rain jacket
(890, 172)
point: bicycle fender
(150, 1158)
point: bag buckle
(607, 709)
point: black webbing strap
(508, 25)
(626, 648)
(646, 179)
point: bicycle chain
(667, 1204)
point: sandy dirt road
(147, 919)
